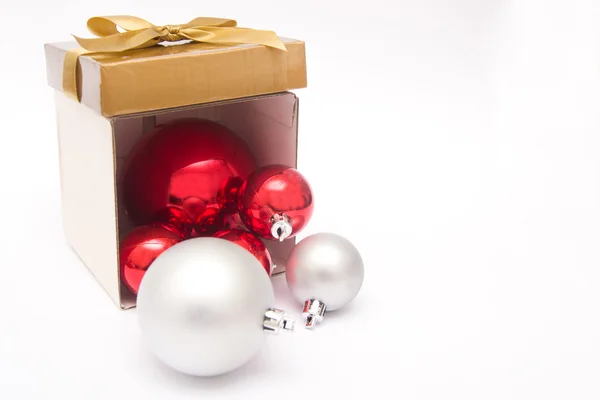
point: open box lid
(168, 76)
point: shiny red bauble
(276, 202)
(175, 219)
(140, 248)
(192, 164)
(251, 243)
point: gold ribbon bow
(139, 33)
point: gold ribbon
(139, 33)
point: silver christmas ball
(325, 272)
(203, 307)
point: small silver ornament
(204, 306)
(325, 272)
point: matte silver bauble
(204, 306)
(325, 272)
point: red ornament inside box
(95, 202)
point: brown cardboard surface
(163, 77)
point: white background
(456, 143)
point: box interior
(268, 124)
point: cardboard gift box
(119, 96)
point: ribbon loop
(140, 33)
(106, 26)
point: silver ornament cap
(281, 227)
(276, 320)
(313, 312)
(324, 273)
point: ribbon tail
(236, 36)
(70, 73)
(210, 21)
(113, 43)
(120, 42)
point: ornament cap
(314, 311)
(277, 320)
(281, 227)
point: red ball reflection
(176, 220)
(193, 164)
(251, 243)
(139, 249)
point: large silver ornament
(204, 306)
(325, 272)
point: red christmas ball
(275, 202)
(192, 164)
(251, 243)
(140, 248)
(175, 219)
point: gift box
(111, 91)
